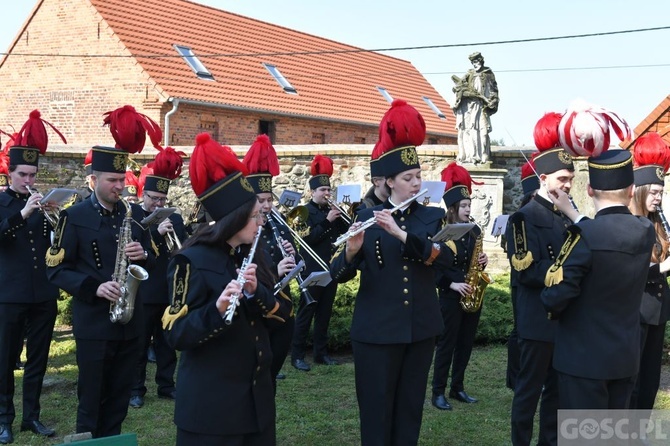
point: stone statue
(476, 100)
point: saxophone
(476, 278)
(127, 275)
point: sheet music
(452, 232)
(157, 216)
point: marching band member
(534, 236)
(131, 188)
(83, 262)
(597, 347)
(224, 391)
(460, 326)
(153, 187)
(262, 164)
(324, 226)
(28, 299)
(396, 316)
(651, 157)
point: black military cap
(226, 195)
(23, 155)
(109, 159)
(553, 160)
(611, 170)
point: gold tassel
(451, 245)
(154, 247)
(522, 262)
(554, 276)
(55, 259)
(168, 318)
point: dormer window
(281, 80)
(386, 94)
(192, 60)
(434, 108)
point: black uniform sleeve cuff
(417, 248)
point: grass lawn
(315, 408)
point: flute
(235, 299)
(372, 220)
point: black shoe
(440, 402)
(136, 401)
(151, 354)
(167, 394)
(6, 435)
(280, 376)
(327, 360)
(301, 365)
(462, 397)
(37, 428)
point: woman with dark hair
(652, 158)
(224, 391)
(396, 316)
(454, 346)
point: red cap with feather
(458, 184)
(651, 157)
(88, 163)
(131, 187)
(31, 141)
(321, 170)
(262, 163)
(4, 168)
(217, 177)
(401, 129)
(529, 179)
(551, 156)
(164, 168)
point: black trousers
(649, 376)
(537, 378)
(281, 335)
(36, 321)
(391, 384)
(166, 357)
(320, 312)
(455, 344)
(512, 349)
(585, 393)
(106, 376)
(264, 438)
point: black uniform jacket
(154, 290)
(86, 239)
(322, 233)
(536, 233)
(397, 300)
(456, 272)
(655, 307)
(23, 244)
(224, 385)
(604, 265)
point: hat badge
(246, 185)
(564, 157)
(119, 162)
(659, 173)
(408, 156)
(265, 184)
(30, 155)
(163, 186)
(324, 180)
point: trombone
(171, 240)
(344, 215)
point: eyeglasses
(156, 199)
(260, 217)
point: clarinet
(572, 202)
(664, 221)
(235, 300)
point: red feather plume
(168, 163)
(12, 138)
(34, 133)
(455, 175)
(211, 162)
(142, 179)
(4, 163)
(545, 132)
(528, 169)
(376, 151)
(651, 149)
(129, 129)
(261, 157)
(89, 158)
(321, 165)
(401, 125)
(132, 180)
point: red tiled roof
(657, 121)
(338, 86)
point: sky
(626, 73)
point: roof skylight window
(386, 94)
(281, 80)
(192, 60)
(434, 108)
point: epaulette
(178, 307)
(56, 254)
(522, 257)
(555, 273)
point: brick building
(194, 68)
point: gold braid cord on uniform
(178, 308)
(56, 254)
(522, 257)
(555, 274)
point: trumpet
(372, 220)
(344, 215)
(50, 215)
(171, 239)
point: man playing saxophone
(460, 293)
(81, 261)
